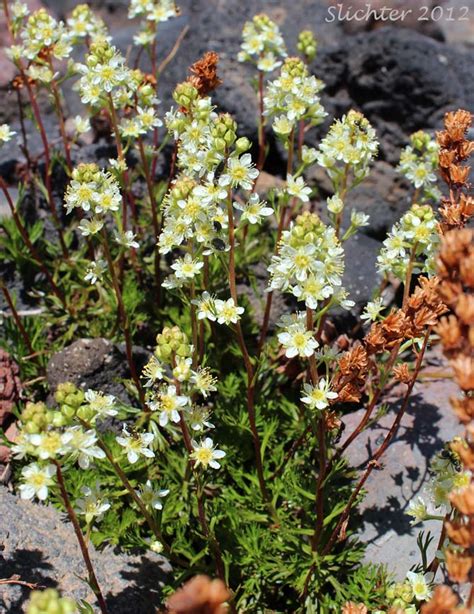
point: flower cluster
(173, 385)
(42, 37)
(419, 163)
(294, 97)
(152, 12)
(262, 43)
(49, 601)
(84, 24)
(214, 309)
(59, 435)
(92, 190)
(213, 162)
(104, 72)
(307, 45)
(309, 263)
(413, 241)
(408, 595)
(446, 476)
(350, 145)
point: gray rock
(427, 425)
(401, 80)
(360, 278)
(94, 363)
(41, 547)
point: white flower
(206, 307)
(153, 371)
(418, 509)
(227, 311)
(199, 418)
(127, 239)
(240, 172)
(36, 480)
(48, 444)
(95, 271)
(205, 454)
(100, 403)
(254, 209)
(318, 397)
(297, 341)
(151, 497)
(204, 381)
(359, 219)
(91, 227)
(92, 505)
(297, 188)
(372, 310)
(81, 445)
(187, 268)
(81, 124)
(335, 204)
(169, 404)
(136, 445)
(5, 133)
(420, 585)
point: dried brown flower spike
(200, 595)
(204, 73)
(455, 149)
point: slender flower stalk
(123, 317)
(80, 538)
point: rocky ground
(403, 79)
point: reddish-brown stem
(261, 123)
(247, 362)
(213, 543)
(80, 538)
(47, 162)
(373, 463)
(321, 431)
(62, 125)
(123, 318)
(155, 529)
(381, 450)
(154, 216)
(26, 239)
(125, 177)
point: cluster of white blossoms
(293, 97)
(407, 596)
(95, 191)
(350, 145)
(413, 239)
(83, 24)
(310, 263)
(103, 73)
(173, 385)
(218, 310)
(212, 162)
(151, 12)
(419, 164)
(38, 33)
(262, 44)
(446, 476)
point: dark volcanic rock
(39, 547)
(94, 363)
(401, 80)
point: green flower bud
(242, 145)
